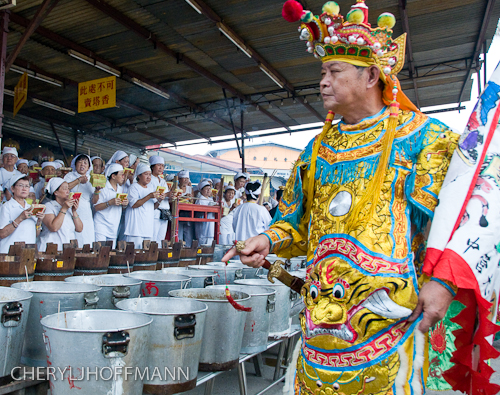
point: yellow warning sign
(97, 94)
(20, 93)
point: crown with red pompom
(329, 37)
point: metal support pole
(76, 142)
(242, 144)
(479, 82)
(59, 142)
(4, 20)
(485, 76)
(242, 378)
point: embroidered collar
(365, 123)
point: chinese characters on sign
(97, 94)
(20, 93)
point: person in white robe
(61, 223)
(9, 159)
(17, 222)
(226, 223)
(162, 212)
(205, 230)
(48, 169)
(185, 229)
(251, 219)
(79, 181)
(121, 158)
(109, 206)
(139, 215)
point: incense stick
(26, 270)
(128, 267)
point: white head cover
(45, 164)
(247, 176)
(215, 180)
(13, 180)
(113, 168)
(132, 159)
(183, 174)
(57, 165)
(53, 184)
(61, 162)
(95, 157)
(21, 161)
(142, 168)
(229, 188)
(118, 155)
(9, 150)
(257, 189)
(203, 184)
(32, 189)
(267, 204)
(32, 163)
(206, 179)
(73, 163)
(239, 175)
(154, 160)
(169, 177)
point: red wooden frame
(198, 208)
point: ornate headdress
(331, 38)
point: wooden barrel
(54, 266)
(146, 258)
(15, 264)
(94, 262)
(119, 258)
(205, 254)
(168, 256)
(188, 255)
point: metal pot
(156, 283)
(199, 278)
(223, 327)
(99, 351)
(14, 310)
(280, 318)
(262, 302)
(176, 336)
(49, 297)
(114, 287)
(222, 272)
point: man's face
(97, 166)
(342, 86)
(240, 182)
(23, 168)
(49, 171)
(9, 159)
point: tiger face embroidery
(345, 307)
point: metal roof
(171, 46)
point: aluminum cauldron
(222, 273)
(224, 327)
(199, 278)
(49, 297)
(156, 283)
(114, 287)
(14, 310)
(176, 336)
(97, 351)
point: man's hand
(433, 300)
(255, 251)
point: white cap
(132, 159)
(21, 161)
(254, 185)
(53, 164)
(57, 165)
(203, 184)
(32, 163)
(113, 168)
(61, 162)
(154, 160)
(118, 155)
(267, 204)
(13, 180)
(206, 179)
(95, 157)
(142, 168)
(32, 189)
(53, 184)
(169, 177)
(239, 175)
(215, 180)
(183, 174)
(9, 150)
(229, 188)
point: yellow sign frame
(20, 93)
(97, 94)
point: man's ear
(373, 76)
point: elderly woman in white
(9, 159)
(226, 223)
(22, 166)
(48, 169)
(205, 230)
(79, 181)
(61, 223)
(162, 212)
(109, 207)
(139, 215)
(97, 165)
(17, 222)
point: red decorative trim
(471, 338)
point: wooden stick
(264, 183)
(26, 270)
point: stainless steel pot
(230, 272)
(280, 318)
(97, 351)
(262, 302)
(114, 287)
(199, 278)
(14, 310)
(176, 336)
(156, 283)
(224, 327)
(49, 297)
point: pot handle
(120, 292)
(184, 326)
(11, 314)
(186, 284)
(208, 281)
(90, 300)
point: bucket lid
(56, 287)
(208, 295)
(96, 321)
(248, 289)
(8, 294)
(104, 280)
(162, 306)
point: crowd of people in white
(132, 205)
